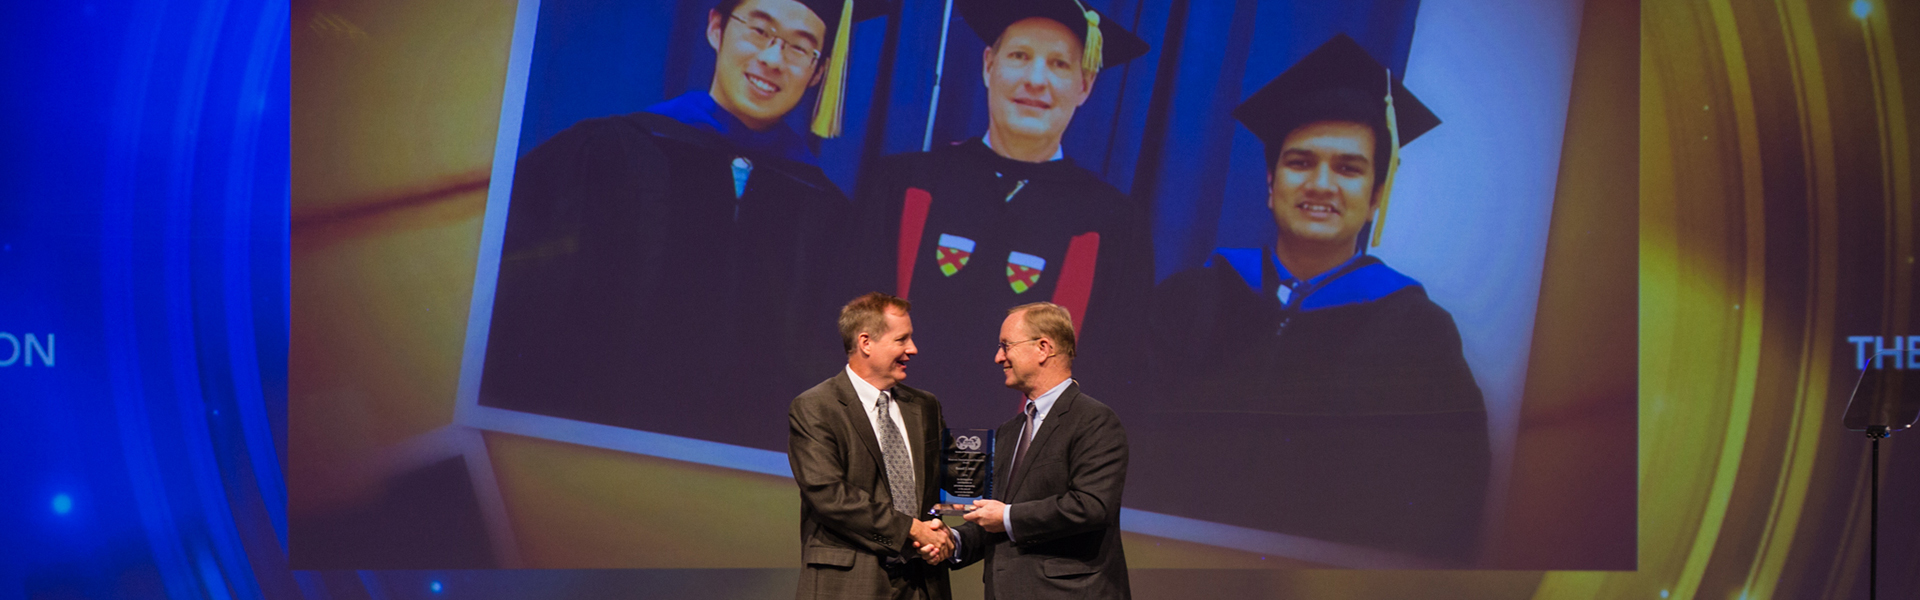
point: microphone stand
(1884, 401)
(1876, 434)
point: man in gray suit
(864, 450)
(1057, 533)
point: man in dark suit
(1056, 531)
(864, 451)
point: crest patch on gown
(952, 254)
(1023, 271)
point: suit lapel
(1004, 442)
(1037, 448)
(860, 423)
(910, 416)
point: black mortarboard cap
(989, 18)
(1339, 81)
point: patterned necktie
(899, 468)
(1020, 449)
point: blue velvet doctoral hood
(1361, 279)
(697, 108)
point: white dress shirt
(869, 403)
(1059, 152)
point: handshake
(935, 541)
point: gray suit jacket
(848, 526)
(1066, 507)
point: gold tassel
(1091, 60)
(1393, 163)
(833, 90)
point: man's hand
(935, 554)
(988, 514)
(931, 539)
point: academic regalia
(668, 271)
(965, 234)
(1338, 408)
(1346, 412)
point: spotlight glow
(435, 586)
(1862, 8)
(62, 504)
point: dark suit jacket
(847, 522)
(1066, 507)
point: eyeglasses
(1004, 346)
(763, 36)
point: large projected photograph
(1302, 246)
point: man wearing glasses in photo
(624, 231)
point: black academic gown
(637, 290)
(1064, 236)
(1347, 413)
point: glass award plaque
(966, 470)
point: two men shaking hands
(865, 451)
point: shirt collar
(1285, 277)
(1058, 152)
(869, 395)
(1044, 404)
